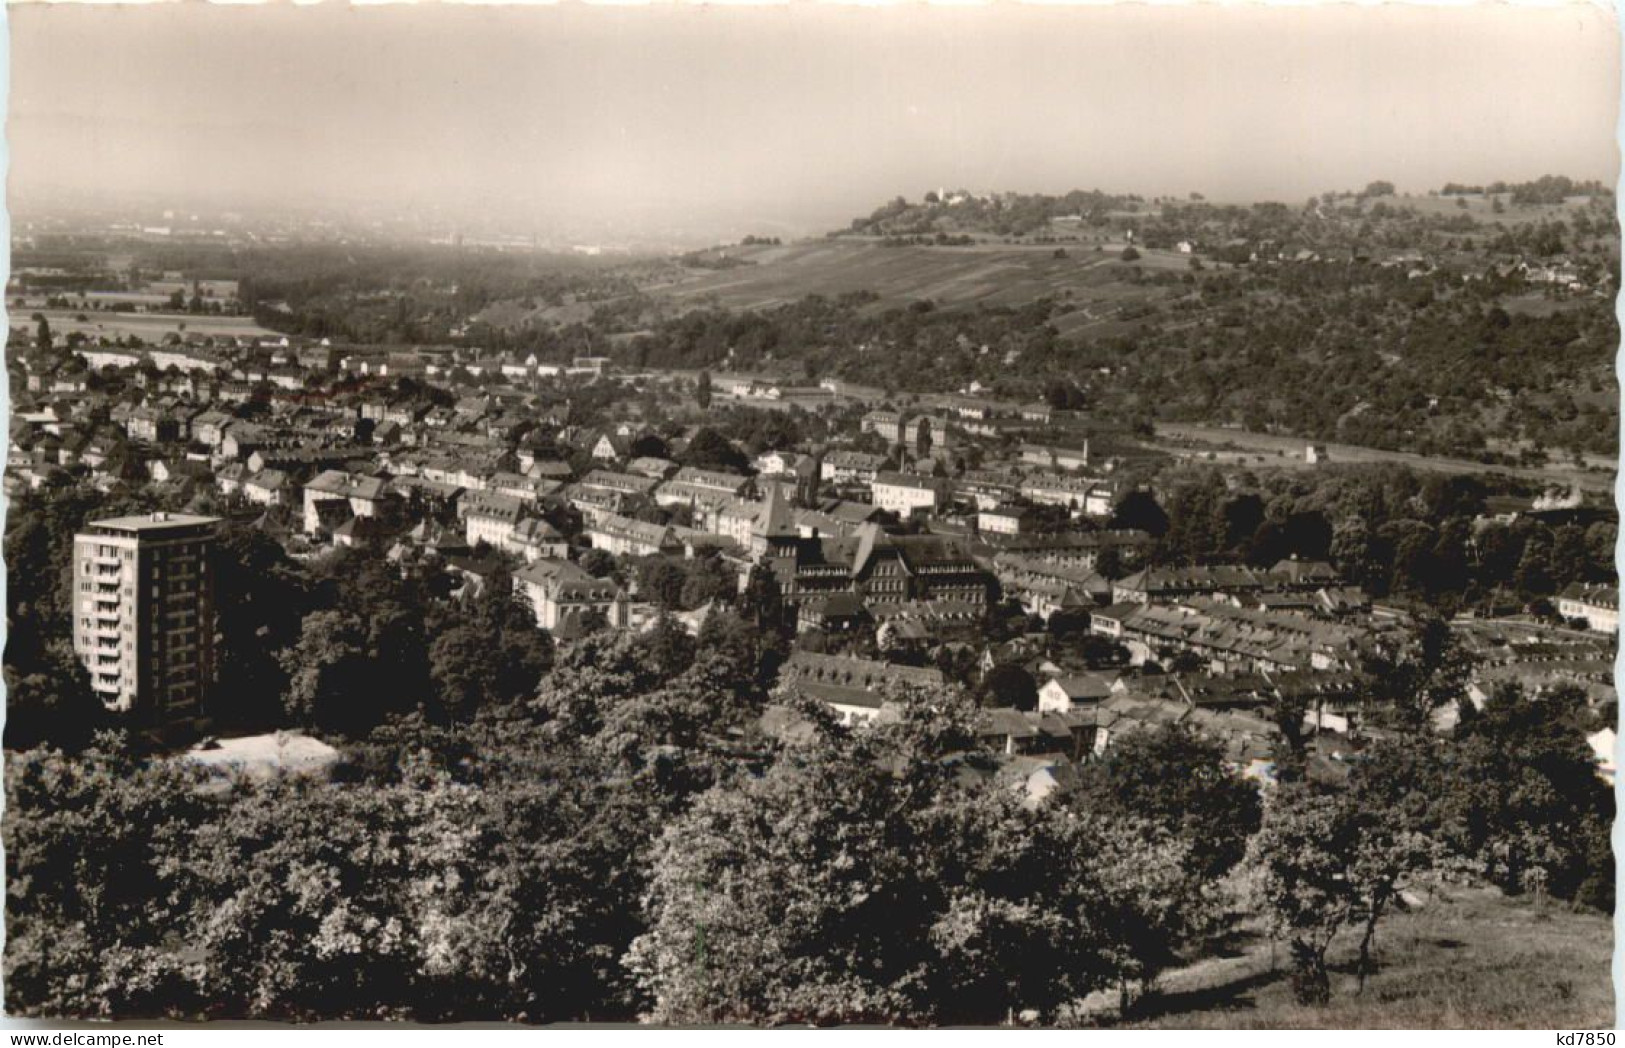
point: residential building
(335, 495)
(1063, 489)
(691, 486)
(565, 597)
(535, 539)
(906, 494)
(851, 467)
(1061, 694)
(1596, 606)
(491, 519)
(1048, 456)
(624, 536)
(268, 487)
(853, 688)
(143, 612)
(1171, 583)
(1006, 519)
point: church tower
(774, 533)
(809, 473)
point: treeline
(1547, 189)
(934, 240)
(1338, 221)
(1393, 532)
(1341, 226)
(403, 295)
(1003, 214)
(620, 845)
(624, 844)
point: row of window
(86, 640)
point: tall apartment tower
(143, 613)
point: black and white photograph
(816, 515)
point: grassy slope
(1473, 960)
(990, 271)
(994, 274)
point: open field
(1288, 452)
(1468, 959)
(151, 327)
(1482, 208)
(984, 273)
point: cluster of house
(902, 552)
(1079, 715)
(322, 440)
(1294, 616)
(1217, 649)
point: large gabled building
(878, 566)
(335, 496)
(565, 598)
(1596, 606)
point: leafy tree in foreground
(1177, 779)
(90, 928)
(1522, 800)
(269, 593)
(1327, 860)
(487, 651)
(1139, 509)
(862, 879)
(1426, 673)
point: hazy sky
(807, 115)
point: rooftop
(157, 521)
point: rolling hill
(1086, 281)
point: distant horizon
(792, 119)
(269, 209)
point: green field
(987, 273)
(151, 327)
(1470, 959)
(1482, 208)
